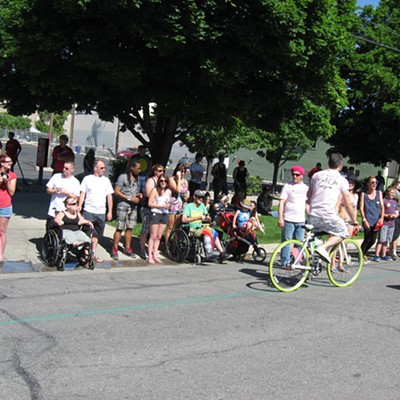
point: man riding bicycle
(324, 192)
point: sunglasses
(200, 197)
(72, 204)
(296, 174)
(162, 180)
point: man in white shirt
(61, 186)
(326, 186)
(291, 212)
(96, 191)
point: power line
(376, 43)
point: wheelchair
(56, 251)
(185, 245)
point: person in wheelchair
(195, 214)
(71, 222)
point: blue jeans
(291, 230)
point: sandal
(98, 260)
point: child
(386, 233)
(243, 219)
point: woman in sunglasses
(372, 211)
(159, 203)
(8, 183)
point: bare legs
(156, 231)
(3, 236)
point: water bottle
(207, 246)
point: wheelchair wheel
(259, 254)
(197, 259)
(50, 249)
(179, 245)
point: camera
(5, 174)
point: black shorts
(158, 219)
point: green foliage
(8, 121)
(118, 167)
(367, 130)
(43, 125)
(198, 62)
(254, 185)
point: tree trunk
(275, 175)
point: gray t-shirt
(130, 190)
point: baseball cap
(298, 169)
(199, 193)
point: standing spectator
(61, 186)
(393, 246)
(220, 184)
(371, 210)
(13, 148)
(324, 192)
(159, 203)
(240, 175)
(291, 212)
(61, 153)
(129, 196)
(391, 213)
(354, 202)
(145, 165)
(179, 187)
(317, 168)
(96, 191)
(381, 181)
(196, 174)
(8, 183)
(151, 183)
(88, 162)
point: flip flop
(98, 260)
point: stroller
(237, 242)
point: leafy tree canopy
(368, 129)
(58, 122)
(8, 121)
(193, 61)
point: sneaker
(323, 254)
(129, 252)
(225, 256)
(395, 256)
(114, 253)
(376, 259)
(287, 267)
(387, 258)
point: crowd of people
(330, 202)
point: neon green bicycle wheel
(289, 277)
(346, 263)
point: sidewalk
(27, 228)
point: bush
(118, 167)
(254, 185)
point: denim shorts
(6, 212)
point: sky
(363, 3)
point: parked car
(127, 153)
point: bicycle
(343, 270)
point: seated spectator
(264, 201)
(317, 168)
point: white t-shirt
(71, 184)
(295, 196)
(326, 186)
(97, 188)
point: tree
(58, 122)
(368, 129)
(8, 121)
(167, 66)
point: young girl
(386, 232)
(159, 203)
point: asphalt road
(207, 332)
